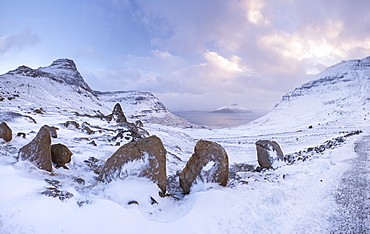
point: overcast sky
(192, 54)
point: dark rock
(54, 190)
(39, 111)
(79, 180)
(143, 158)
(5, 132)
(60, 155)
(268, 152)
(94, 164)
(88, 130)
(93, 143)
(139, 124)
(21, 134)
(72, 124)
(133, 203)
(38, 151)
(210, 163)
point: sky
(192, 54)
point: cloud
(20, 41)
(254, 14)
(257, 48)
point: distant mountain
(142, 105)
(340, 95)
(58, 87)
(234, 108)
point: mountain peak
(64, 63)
(66, 70)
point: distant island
(234, 108)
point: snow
(234, 108)
(293, 198)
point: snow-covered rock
(144, 106)
(234, 108)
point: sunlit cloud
(253, 12)
(222, 63)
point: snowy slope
(142, 105)
(340, 95)
(59, 86)
(234, 108)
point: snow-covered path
(353, 196)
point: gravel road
(353, 195)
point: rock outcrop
(268, 152)
(71, 124)
(60, 155)
(5, 132)
(38, 151)
(143, 158)
(209, 163)
(117, 115)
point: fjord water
(220, 120)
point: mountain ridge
(60, 86)
(337, 96)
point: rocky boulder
(117, 115)
(268, 152)
(143, 158)
(60, 155)
(5, 132)
(38, 151)
(209, 163)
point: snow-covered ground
(293, 198)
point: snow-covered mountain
(58, 87)
(66, 71)
(340, 95)
(234, 108)
(142, 105)
(61, 87)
